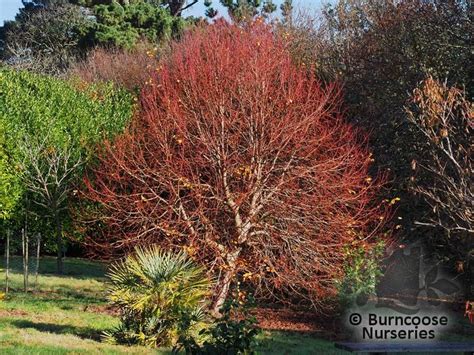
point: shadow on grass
(79, 268)
(61, 294)
(81, 332)
(280, 342)
(71, 294)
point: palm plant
(161, 296)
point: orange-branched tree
(244, 160)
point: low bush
(362, 270)
(162, 300)
(233, 333)
(161, 297)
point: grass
(61, 316)
(65, 315)
(294, 343)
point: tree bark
(38, 247)
(25, 258)
(224, 285)
(7, 262)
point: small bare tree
(444, 171)
(48, 176)
(445, 118)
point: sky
(9, 8)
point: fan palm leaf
(155, 291)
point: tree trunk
(38, 247)
(25, 258)
(7, 261)
(59, 261)
(222, 295)
(224, 284)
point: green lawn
(66, 315)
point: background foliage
(53, 130)
(381, 51)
